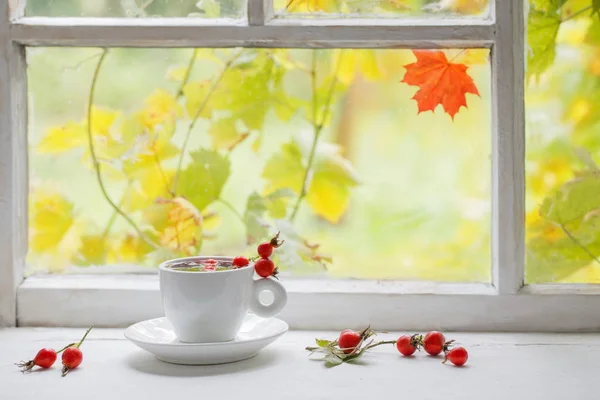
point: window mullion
(508, 150)
(13, 163)
(259, 12)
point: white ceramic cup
(208, 307)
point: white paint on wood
(500, 367)
(192, 32)
(316, 304)
(508, 147)
(13, 166)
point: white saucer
(157, 337)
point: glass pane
(563, 184)
(381, 8)
(136, 8)
(390, 193)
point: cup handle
(279, 298)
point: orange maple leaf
(440, 82)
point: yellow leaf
(160, 107)
(578, 110)
(223, 133)
(468, 56)
(328, 198)
(256, 144)
(355, 62)
(62, 138)
(154, 149)
(92, 250)
(309, 6)
(183, 232)
(195, 93)
(329, 190)
(459, 6)
(149, 185)
(177, 73)
(53, 228)
(102, 119)
(546, 174)
(210, 220)
(130, 249)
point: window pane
(563, 184)
(136, 8)
(390, 193)
(381, 8)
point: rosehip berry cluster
(352, 344)
(263, 265)
(72, 357)
(433, 343)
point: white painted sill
(500, 367)
(120, 300)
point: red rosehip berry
(45, 358)
(265, 267)
(407, 345)
(265, 250)
(240, 262)
(457, 356)
(348, 340)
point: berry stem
(66, 347)
(380, 343)
(83, 338)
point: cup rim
(163, 266)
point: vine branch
(317, 126)
(573, 238)
(232, 209)
(188, 72)
(197, 115)
(95, 161)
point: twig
(95, 161)
(574, 239)
(188, 72)
(197, 115)
(233, 210)
(317, 126)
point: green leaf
(284, 169)
(332, 361)
(548, 6)
(574, 200)
(275, 204)
(256, 226)
(247, 90)
(542, 30)
(550, 260)
(596, 6)
(203, 179)
(593, 33)
(568, 237)
(322, 342)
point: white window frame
(116, 300)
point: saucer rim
(280, 332)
